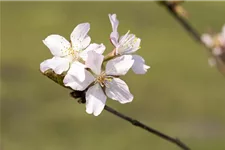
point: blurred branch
(81, 96)
(184, 23)
(170, 6)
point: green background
(180, 95)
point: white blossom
(216, 42)
(103, 83)
(207, 40)
(65, 53)
(127, 44)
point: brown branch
(192, 32)
(81, 96)
(184, 23)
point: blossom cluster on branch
(216, 42)
(85, 68)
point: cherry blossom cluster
(216, 42)
(87, 69)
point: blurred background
(180, 95)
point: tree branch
(184, 23)
(81, 96)
(192, 32)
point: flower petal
(139, 66)
(118, 90)
(114, 36)
(123, 38)
(80, 39)
(128, 43)
(217, 51)
(114, 21)
(94, 62)
(95, 100)
(78, 78)
(98, 48)
(207, 39)
(222, 37)
(57, 64)
(212, 61)
(223, 31)
(57, 44)
(119, 65)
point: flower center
(72, 54)
(102, 78)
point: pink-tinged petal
(139, 66)
(98, 48)
(217, 51)
(78, 78)
(119, 65)
(79, 38)
(57, 44)
(118, 90)
(94, 62)
(95, 100)
(207, 39)
(114, 36)
(57, 64)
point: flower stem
(147, 128)
(80, 95)
(110, 55)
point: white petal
(119, 66)
(78, 78)
(128, 43)
(223, 31)
(78, 69)
(139, 66)
(118, 90)
(80, 39)
(207, 39)
(57, 64)
(123, 38)
(217, 51)
(221, 39)
(98, 48)
(114, 21)
(212, 61)
(94, 62)
(95, 100)
(114, 36)
(57, 44)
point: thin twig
(81, 96)
(184, 23)
(147, 128)
(192, 32)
